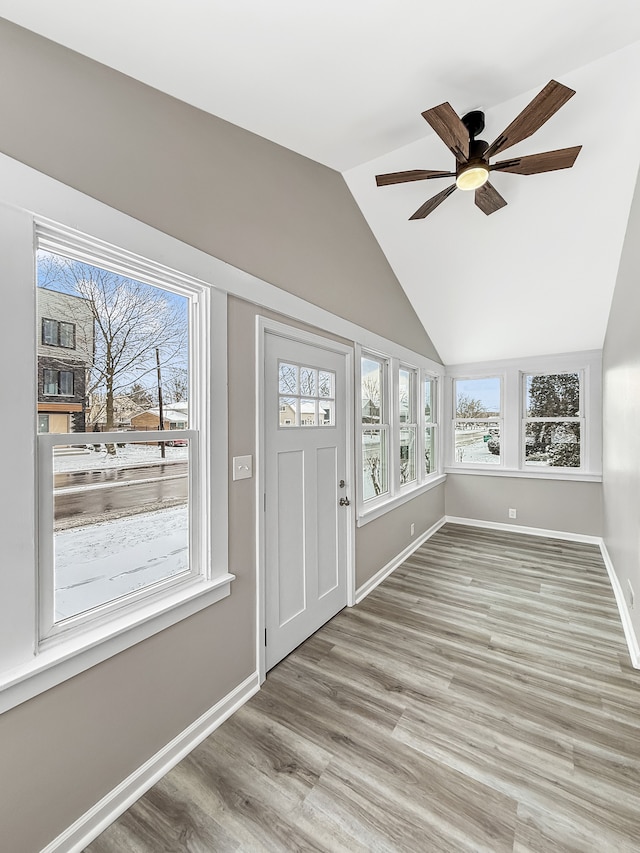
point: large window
(398, 429)
(430, 445)
(375, 427)
(535, 417)
(408, 411)
(477, 419)
(553, 423)
(122, 497)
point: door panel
(305, 458)
(290, 551)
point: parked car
(177, 442)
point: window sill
(74, 655)
(547, 474)
(381, 509)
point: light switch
(242, 467)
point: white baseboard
(97, 819)
(367, 587)
(528, 531)
(625, 616)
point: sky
(485, 390)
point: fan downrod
(474, 122)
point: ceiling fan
(472, 154)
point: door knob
(345, 502)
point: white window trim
(489, 466)
(398, 494)
(588, 363)
(31, 663)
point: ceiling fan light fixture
(473, 177)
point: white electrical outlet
(513, 513)
(413, 528)
(631, 595)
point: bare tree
(176, 385)
(131, 320)
(470, 407)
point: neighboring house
(124, 408)
(174, 416)
(370, 412)
(65, 355)
(307, 414)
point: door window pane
(310, 401)
(288, 378)
(308, 413)
(308, 381)
(325, 383)
(288, 411)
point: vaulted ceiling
(345, 83)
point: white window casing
(397, 492)
(514, 372)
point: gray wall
(264, 209)
(621, 447)
(284, 218)
(380, 540)
(568, 506)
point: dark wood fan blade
(533, 116)
(413, 175)
(548, 161)
(488, 199)
(450, 129)
(432, 203)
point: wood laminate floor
(480, 699)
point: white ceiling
(344, 82)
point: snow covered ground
(101, 562)
(130, 454)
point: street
(87, 497)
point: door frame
(265, 326)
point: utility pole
(160, 412)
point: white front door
(306, 525)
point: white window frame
(580, 419)
(412, 423)
(432, 423)
(31, 662)
(587, 363)
(202, 570)
(500, 421)
(421, 369)
(383, 427)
